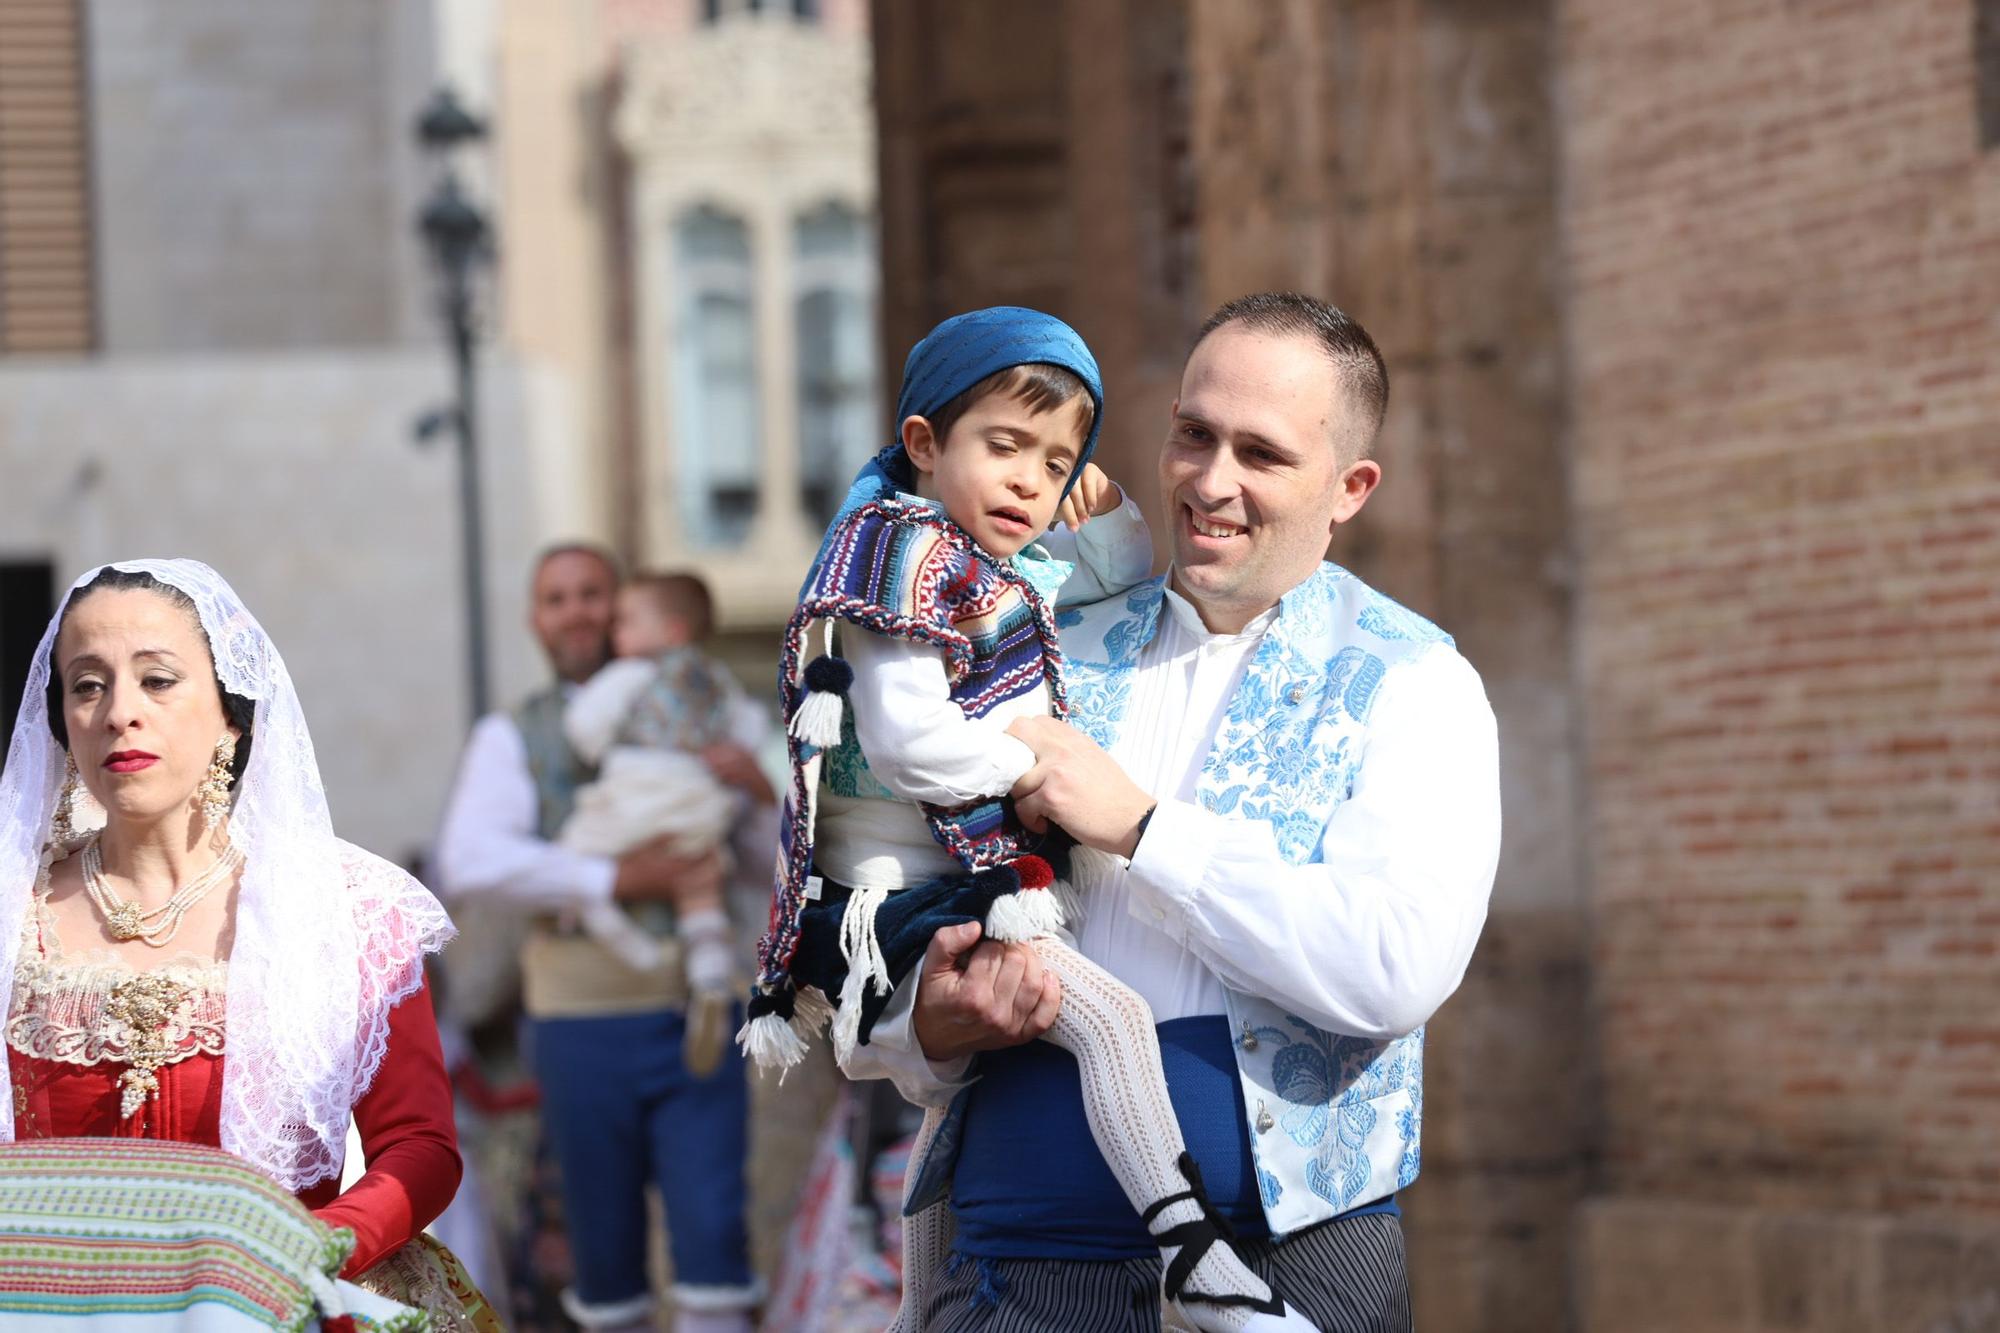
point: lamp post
(459, 238)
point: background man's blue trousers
(622, 1112)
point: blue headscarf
(953, 357)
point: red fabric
(405, 1119)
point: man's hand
(1078, 786)
(1093, 496)
(736, 767)
(655, 872)
(979, 995)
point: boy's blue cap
(958, 354)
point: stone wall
(295, 476)
(1130, 165)
(256, 181)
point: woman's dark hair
(240, 711)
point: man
(1285, 792)
(621, 1108)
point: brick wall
(1783, 249)
(1689, 312)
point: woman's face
(139, 696)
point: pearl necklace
(126, 921)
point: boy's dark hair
(682, 596)
(236, 708)
(1036, 385)
(1344, 341)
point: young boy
(644, 722)
(896, 826)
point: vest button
(1295, 695)
(1249, 1038)
(1264, 1120)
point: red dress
(95, 1048)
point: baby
(644, 722)
(897, 823)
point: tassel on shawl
(779, 1022)
(866, 965)
(1033, 911)
(816, 721)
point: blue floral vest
(1335, 1120)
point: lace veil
(328, 937)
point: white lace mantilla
(328, 938)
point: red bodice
(69, 1085)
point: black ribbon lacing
(1194, 1238)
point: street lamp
(459, 237)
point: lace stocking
(926, 1237)
(1109, 1029)
(711, 956)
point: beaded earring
(61, 831)
(214, 789)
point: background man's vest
(565, 974)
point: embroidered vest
(904, 570)
(551, 762)
(1335, 1120)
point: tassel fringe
(1028, 915)
(774, 1041)
(817, 720)
(770, 1041)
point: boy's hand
(1093, 496)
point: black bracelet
(1144, 820)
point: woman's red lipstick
(129, 761)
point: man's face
(570, 612)
(1002, 470)
(1252, 474)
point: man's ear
(921, 443)
(1356, 485)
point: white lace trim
(68, 1011)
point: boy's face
(1001, 471)
(642, 627)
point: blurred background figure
(623, 1107)
(1689, 314)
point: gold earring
(61, 831)
(215, 786)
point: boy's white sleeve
(1112, 552)
(592, 715)
(919, 744)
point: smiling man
(1285, 789)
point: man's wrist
(1130, 848)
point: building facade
(1687, 312)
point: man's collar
(1189, 619)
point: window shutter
(46, 298)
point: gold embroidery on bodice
(99, 1010)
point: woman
(212, 965)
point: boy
(644, 722)
(895, 825)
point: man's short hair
(1346, 344)
(591, 549)
(680, 596)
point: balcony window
(715, 380)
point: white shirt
(922, 747)
(1368, 941)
